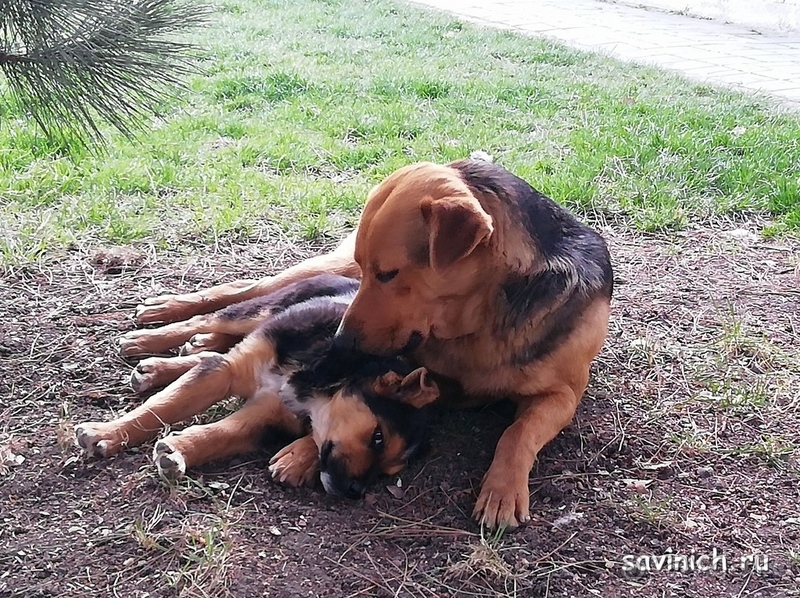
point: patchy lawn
(303, 105)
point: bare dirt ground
(687, 443)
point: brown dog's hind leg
(504, 500)
(172, 308)
(239, 433)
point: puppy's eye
(376, 443)
(386, 276)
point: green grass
(304, 105)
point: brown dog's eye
(377, 439)
(386, 276)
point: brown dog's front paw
(169, 461)
(97, 439)
(502, 503)
(296, 464)
(167, 308)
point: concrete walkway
(710, 51)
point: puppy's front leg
(504, 500)
(239, 433)
(296, 464)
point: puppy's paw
(504, 501)
(134, 343)
(150, 341)
(97, 439)
(145, 376)
(168, 308)
(296, 464)
(169, 461)
(199, 343)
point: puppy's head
(422, 245)
(371, 428)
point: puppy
(289, 372)
(476, 276)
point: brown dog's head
(370, 427)
(422, 245)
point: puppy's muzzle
(335, 477)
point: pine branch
(74, 63)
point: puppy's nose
(345, 339)
(355, 490)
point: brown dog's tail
(482, 156)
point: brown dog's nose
(355, 490)
(345, 339)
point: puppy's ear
(388, 383)
(456, 227)
(417, 389)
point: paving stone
(714, 52)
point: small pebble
(705, 472)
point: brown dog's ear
(456, 226)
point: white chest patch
(310, 406)
(269, 381)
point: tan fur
(203, 330)
(173, 308)
(348, 423)
(208, 379)
(297, 464)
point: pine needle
(72, 64)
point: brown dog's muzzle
(345, 339)
(414, 341)
(350, 339)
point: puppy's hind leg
(171, 308)
(205, 384)
(219, 331)
(227, 326)
(209, 341)
(156, 372)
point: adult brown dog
(478, 277)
